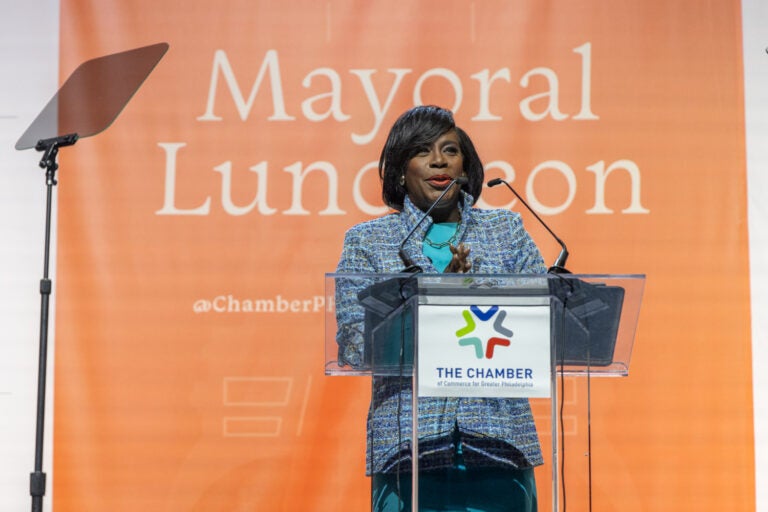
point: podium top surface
(448, 277)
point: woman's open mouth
(440, 180)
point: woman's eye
(451, 150)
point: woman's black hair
(416, 128)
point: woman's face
(430, 172)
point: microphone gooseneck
(410, 266)
(558, 267)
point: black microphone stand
(558, 267)
(50, 149)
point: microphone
(410, 266)
(559, 266)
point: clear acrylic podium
(431, 329)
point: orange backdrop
(227, 184)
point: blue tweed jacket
(494, 432)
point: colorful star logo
(471, 317)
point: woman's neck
(453, 215)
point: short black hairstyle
(414, 129)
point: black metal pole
(37, 479)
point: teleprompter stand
(427, 328)
(88, 102)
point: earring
(402, 180)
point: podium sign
(492, 351)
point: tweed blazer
(494, 432)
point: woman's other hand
(460, 263)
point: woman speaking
(475, 454)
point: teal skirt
(457, 489)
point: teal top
(441, 236)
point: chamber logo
(484, 349)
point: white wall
(29, 33)
(755, 16)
